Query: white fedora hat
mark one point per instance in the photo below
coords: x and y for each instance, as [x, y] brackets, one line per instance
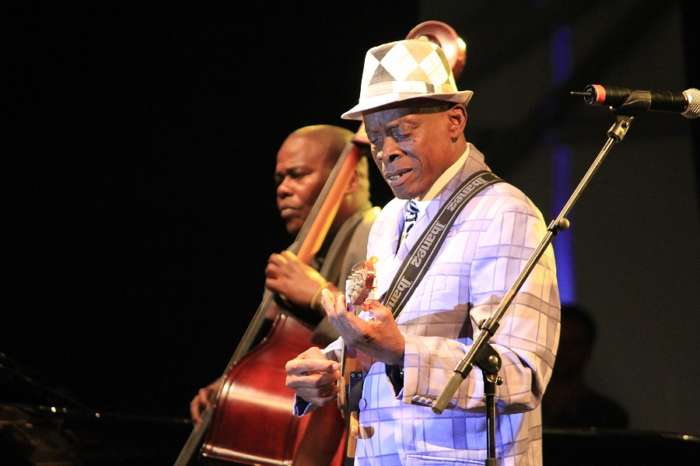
[403, 70]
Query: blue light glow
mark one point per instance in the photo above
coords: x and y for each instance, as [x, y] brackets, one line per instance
[562, 62]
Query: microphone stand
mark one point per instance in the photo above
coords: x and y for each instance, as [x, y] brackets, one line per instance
[481, 353]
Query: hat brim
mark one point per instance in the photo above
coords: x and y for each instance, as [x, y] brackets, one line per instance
[355, 113]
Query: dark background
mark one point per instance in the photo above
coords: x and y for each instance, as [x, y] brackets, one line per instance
[141, 151]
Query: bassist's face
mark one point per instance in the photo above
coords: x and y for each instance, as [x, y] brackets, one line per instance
[302, 169]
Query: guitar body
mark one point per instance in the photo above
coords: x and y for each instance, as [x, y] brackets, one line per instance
[253, 421]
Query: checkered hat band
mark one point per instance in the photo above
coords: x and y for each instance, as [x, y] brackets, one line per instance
[407, 87]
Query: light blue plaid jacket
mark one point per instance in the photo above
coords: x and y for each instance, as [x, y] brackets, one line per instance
[486, 248]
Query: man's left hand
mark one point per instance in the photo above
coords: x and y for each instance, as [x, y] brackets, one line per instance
[378, 337]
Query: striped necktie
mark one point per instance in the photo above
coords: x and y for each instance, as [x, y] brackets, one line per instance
[410, 214]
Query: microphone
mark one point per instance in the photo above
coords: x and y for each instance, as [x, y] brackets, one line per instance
[687, 103]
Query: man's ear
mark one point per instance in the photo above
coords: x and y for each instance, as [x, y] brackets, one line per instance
[457, 117]
[359, 181]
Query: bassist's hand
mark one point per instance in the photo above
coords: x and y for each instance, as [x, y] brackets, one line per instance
[202, 400]
[297, 282]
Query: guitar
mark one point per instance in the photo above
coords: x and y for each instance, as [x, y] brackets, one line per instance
[358, 286]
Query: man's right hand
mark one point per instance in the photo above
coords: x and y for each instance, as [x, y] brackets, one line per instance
[313, 377]
[202, 400]
[297, 282]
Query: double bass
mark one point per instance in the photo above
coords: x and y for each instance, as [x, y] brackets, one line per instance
[251, 418]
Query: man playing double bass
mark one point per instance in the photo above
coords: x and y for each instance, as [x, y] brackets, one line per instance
[304, 162]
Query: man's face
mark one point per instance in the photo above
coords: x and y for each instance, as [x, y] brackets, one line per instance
[302, 169]
[410, 147]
